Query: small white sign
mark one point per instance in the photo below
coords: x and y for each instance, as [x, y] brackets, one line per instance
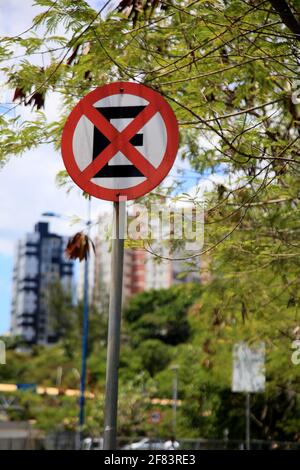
[2, 352]
[248, 373]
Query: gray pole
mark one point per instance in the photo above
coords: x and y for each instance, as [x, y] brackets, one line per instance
[85, 335]
[175, 397]
[114, 327]
[248, 421]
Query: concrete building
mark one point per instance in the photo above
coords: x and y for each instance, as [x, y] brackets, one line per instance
[142, 271]
[39, 261]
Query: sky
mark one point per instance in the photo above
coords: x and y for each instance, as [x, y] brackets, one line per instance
[27, 183]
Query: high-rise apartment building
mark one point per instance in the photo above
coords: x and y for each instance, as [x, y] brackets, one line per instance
[142, 271]
[39, 261]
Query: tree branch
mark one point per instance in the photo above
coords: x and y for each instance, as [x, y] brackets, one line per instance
[287, 16]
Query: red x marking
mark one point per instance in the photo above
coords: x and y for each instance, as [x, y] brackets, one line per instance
[119, 141]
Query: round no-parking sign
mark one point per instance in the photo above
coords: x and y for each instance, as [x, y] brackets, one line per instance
[120, 140]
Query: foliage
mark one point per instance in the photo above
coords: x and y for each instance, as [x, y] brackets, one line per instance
[229, 70]
[217, 320]
[154, 354]
[161, 314]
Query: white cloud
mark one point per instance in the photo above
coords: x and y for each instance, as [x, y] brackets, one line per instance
[27, 189]
[16, 15]
[27, 183]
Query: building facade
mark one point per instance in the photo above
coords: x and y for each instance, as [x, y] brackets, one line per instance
[142, 271]
[39, 262]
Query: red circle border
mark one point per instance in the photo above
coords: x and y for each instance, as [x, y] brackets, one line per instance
[163, 169]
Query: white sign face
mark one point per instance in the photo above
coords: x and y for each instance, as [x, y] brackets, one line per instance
[248, 373]
[119, 172]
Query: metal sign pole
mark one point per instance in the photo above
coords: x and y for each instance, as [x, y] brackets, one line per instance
[247, 421]
[114, 327]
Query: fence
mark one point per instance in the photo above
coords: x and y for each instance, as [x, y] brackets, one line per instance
[68, 441]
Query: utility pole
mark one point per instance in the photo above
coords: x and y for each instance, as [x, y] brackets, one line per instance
[85, 334]
[175, 398]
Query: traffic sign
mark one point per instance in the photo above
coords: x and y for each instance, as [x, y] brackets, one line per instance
[248, 374]
[120, 140]
[155, 416]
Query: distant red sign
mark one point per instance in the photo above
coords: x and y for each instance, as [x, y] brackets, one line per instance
[155, 417]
